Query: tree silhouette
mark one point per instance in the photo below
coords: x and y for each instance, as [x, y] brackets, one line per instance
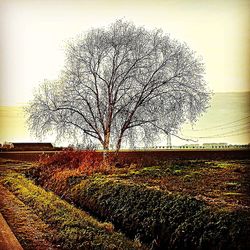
[121, 84]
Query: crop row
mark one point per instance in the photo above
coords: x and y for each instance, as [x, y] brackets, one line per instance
[164, 221]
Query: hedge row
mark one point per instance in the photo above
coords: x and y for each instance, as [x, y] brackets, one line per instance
[76, 229]
[163, 221]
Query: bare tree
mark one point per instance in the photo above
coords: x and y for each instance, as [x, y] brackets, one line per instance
[121, 83]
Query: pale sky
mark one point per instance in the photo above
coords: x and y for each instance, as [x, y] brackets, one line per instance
[33, 35]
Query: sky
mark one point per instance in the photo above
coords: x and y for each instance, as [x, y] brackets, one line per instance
[33, 35]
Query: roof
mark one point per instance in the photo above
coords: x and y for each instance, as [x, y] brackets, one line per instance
[32, 144]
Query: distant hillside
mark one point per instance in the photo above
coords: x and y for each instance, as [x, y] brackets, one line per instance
[12, 124]
[225, 121]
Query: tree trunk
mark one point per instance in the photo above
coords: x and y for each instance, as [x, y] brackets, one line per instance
[105, 146]
[118, 145]
[106, 140]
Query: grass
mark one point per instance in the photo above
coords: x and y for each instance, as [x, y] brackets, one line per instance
[206, 180]
[168, 204]
[199, 178]
[30, 230]
[161, 219]
[172, 204]
[76, 229]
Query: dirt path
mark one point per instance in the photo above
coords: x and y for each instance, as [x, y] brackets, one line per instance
[30, 230]
[8, 241]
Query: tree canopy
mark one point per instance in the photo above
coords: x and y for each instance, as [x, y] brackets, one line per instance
[121, 84]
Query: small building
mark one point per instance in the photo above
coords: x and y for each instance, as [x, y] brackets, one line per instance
[190, 146]
[31, 146]
[215, 145]
[7, 146]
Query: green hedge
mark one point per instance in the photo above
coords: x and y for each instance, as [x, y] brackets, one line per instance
[164, 221]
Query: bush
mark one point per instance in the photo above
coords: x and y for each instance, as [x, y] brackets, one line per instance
[54, 170]
[162, 220]
[72, 159]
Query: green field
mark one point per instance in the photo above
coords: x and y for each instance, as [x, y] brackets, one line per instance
[172, 205]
